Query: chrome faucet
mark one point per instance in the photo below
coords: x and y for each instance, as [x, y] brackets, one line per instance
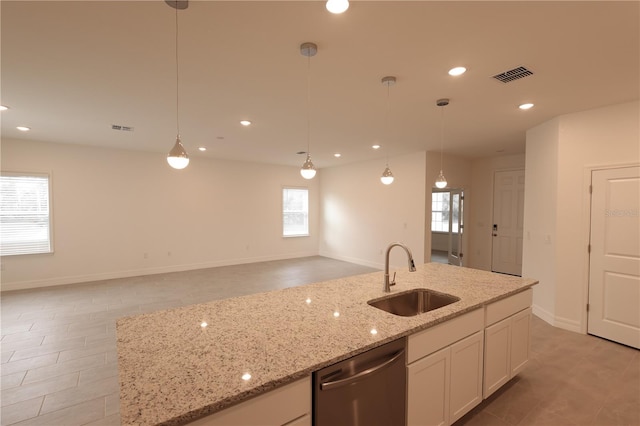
[412, 266]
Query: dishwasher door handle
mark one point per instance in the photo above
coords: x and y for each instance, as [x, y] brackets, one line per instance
[342, 382]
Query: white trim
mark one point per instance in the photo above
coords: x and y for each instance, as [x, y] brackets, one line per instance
[75, 279]
[543, 314]
[568, 324]
[357, 261]
[559, 322]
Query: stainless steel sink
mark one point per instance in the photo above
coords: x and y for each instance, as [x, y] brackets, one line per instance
[413, 302]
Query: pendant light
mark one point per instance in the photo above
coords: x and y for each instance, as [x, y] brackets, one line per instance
[441, 181]
[387, 176]
[177, 157]
[308, 171]
[337, 6]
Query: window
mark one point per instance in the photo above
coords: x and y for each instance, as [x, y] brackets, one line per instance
[25, 226]
[444, 211]
[440, 211]
[295, 212]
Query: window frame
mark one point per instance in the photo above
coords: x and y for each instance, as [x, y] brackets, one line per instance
[283, 212]
[49, 177]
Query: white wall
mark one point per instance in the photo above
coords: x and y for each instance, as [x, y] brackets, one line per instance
[478, 227]
[540, 206]
[112, 206]
[560, 155]
[361, 216]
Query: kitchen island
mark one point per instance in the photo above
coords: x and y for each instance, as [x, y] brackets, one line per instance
[178, 365]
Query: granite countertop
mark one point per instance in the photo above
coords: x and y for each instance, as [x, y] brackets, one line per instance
[173, 369]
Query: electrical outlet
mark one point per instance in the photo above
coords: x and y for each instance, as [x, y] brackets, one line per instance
[145, 255]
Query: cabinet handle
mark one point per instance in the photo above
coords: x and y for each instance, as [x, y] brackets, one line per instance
[364, 373]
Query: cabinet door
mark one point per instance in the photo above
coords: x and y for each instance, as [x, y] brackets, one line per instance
[466, 375]
[520, 340]
[428, 390]
[497, 354]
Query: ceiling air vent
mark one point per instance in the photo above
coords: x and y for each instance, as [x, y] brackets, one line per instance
[121, 128]
[514, 74]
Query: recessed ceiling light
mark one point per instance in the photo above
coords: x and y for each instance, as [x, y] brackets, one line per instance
[457, 71]
[3, 108]
[202, 148]
[245, 122]
[375, 146]
[23, 128]
[526, 106]
[337, 155]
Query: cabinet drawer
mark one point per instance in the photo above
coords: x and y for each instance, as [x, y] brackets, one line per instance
[435, 338]
[280, 406]
[504, 308]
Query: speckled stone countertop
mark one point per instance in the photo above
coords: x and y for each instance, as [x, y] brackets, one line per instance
[172, 370]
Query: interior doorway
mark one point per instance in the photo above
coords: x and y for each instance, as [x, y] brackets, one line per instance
[614, 261]
[447, 226]
[508, 219]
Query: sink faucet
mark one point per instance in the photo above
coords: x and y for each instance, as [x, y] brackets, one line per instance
[412, 266]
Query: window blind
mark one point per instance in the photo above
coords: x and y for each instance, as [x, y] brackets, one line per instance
[24, 214]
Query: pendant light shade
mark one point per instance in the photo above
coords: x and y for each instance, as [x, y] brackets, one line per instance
[177, 157]
[441, 181]
[308, 171]
[337, 6]
[387, 176]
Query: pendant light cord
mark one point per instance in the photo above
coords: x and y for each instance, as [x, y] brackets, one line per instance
[177, 76]
[386, 122]
[308, 100]
[441, 135]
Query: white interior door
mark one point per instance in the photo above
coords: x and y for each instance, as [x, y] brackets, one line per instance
[508, 217]
[456, 226]
[614, 268]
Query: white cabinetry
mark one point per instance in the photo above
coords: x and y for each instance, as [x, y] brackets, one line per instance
[444, 372]
[289, 405]
[466, 375]
[507, 340]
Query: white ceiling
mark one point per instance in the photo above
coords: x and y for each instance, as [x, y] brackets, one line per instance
[72, 69]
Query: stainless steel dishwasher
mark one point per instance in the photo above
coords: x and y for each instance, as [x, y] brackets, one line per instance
[365, 390]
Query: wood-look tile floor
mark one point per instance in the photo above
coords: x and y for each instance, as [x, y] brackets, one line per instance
[59, 363]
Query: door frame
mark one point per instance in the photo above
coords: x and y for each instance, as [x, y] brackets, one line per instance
[586, 232]
[462, 240]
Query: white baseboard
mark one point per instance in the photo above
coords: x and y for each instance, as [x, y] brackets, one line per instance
[563, 323]
[568, 324]
[357, 261]
[543, 314]
[75, 279]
